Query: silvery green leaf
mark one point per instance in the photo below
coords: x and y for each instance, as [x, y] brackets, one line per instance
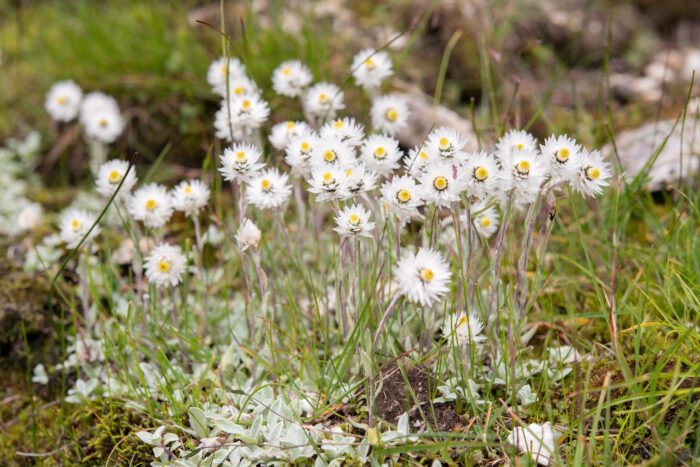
[272, 417]
[40, 376]
[363, 450]
[436, 463]
[158, 451]
[255, 428]
[295, 436]
[366, 362]
[526, 396]
[402, 427]
[198, 422]
[169, 438]
[275, 432]
[227, 426]
[320, 462]
[145, 436]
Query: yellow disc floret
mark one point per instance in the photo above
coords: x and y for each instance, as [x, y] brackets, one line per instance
[562, 155]
[62, 100]
[245, 105]
[338, 124]
[164, 266]
[392, 115]
[369, 63]
[329, 156]
[404, 196]
[290, 125]
[354, 219]
[265, 184]
[286, 70]
[188, 189]
[114, 176]
[427, 274]
[523, 167]
[240, 156]
[323, 98]
[592, 173]
[238, 90]
[76, 224]
[151, 204]
[481, 173]
[380, 153]
[103, 122]
[444, 143]
[485, 221]
[440, 183]
[305, 147]
[328, 178]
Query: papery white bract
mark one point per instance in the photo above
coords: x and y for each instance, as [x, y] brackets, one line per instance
[329, 183]
[423, 277]
[290, 78]
[389, 114]
[419, 158]
[75, 224]
[29, 217]
[332, 152]
[370, 67]
[525, 171]
[535, 440]
[563, 155]
[467, 328]
[222, 69]
[402, 197]
[447, 143]
[323, 100]
[441, 184]
[514, 141]
[268, 189]
[190, 196]
[110, 175]
[592, 174]
[63, 101]
[381, 153]
[165, 265]
[151, 205]
[354, 221]
[481, 175]
[298, 153]
[248, 235]
[282, 133]
[485, 218]
[345, 129]
[360, 179]
[240, 161]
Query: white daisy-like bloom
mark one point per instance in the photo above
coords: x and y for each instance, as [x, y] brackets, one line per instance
[332, 152]
[95, 103]
[353, 221]
[419, 158]
[282, 133]
[63, 101]
[485, 218]
[75, 224]
[165, 265]
[30, 217]
[370, 67]
[224, 126]
[423, 277]
[248, 235]
[237, 86]
[381, 153]
[105, 126]
[536, 440]
[323, 100]
[268, 189]
[360, 179]
[329, 183]
[481, 175]
[447, 143]
[592, 173]
[562, 154]
[248, 112]
[525, 170]
[298, 152]
[514, 141]
[467, 328]
[240, 161]
[402, 197]
[290, 78]
[345, 129]
[389, 114]
[441, 184]
[110, 175]
[190, 196]
[151, 205]
[222, 69]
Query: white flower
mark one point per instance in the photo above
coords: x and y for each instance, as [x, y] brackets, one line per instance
[381, 153]
[467, 329]
[63, 101]
[223, 69]
[151, 205]
[298, 153]
[447, 143]
[370, 67]
[323, 100]
[332, 152]
[240, 161]
[525, 170]
[75, 223]
[389, 114]
[345, 129]
[563, 155]
[402, 197]
[329, 183]
[423, 277]
[592, 174]
[101, 117]
[419, 158]
[282, 133]
[30, 216]
[110, 175]
[485, 218]
[268, 189]
[290, 78]
[535, 440]
[165, 265]
[190, 196]
[360, 179]
[441, 184]
[514, 141]
[96, 102]
[248, 235]
[242, 115]
[354, 221]
[481, 175]
[237, 86]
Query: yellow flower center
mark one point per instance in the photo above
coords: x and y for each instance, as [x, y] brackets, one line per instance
[322, 98]
[348, 173]
[523, 167]
[103, 123]
[286, 70]
[245, 105]
[462, 320]
[369, 63]
[224, 69]
[481, 173]
[562, 154]
[240, 155]
[164, 266]
[380, 153]
[329, 156]
[444, 143]
[290, 125]
[62, 100]
[423, 155]
[427, 274]
[265, 184]
[592, 173]
[403, 195]
[485, 221]
[392, 115]
[328, 178]
[519, 146]
[440, 183]
[354, 219]
[114, 176]
[305, 147]
[76, 224]
[238, 90]
[188, 189]
[151, 204]
[338, 124]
